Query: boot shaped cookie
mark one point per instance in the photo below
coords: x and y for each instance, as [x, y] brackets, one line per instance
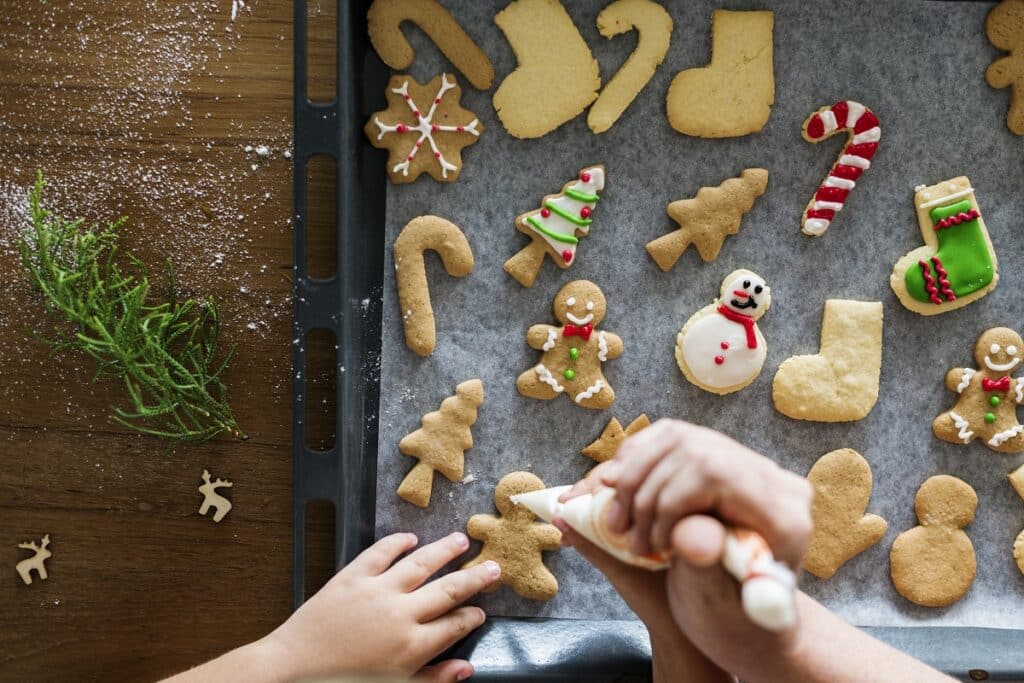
[986, 408]
[573, 351]
[933, 564]
[840, 383]
[842, 530]
[957, 264]
[514, 539]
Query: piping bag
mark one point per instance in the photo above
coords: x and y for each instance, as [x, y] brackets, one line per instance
[768, 586]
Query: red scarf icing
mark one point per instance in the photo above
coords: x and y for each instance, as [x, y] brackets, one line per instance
[745, 320]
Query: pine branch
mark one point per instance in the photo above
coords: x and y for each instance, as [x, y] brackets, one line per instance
[164, 353]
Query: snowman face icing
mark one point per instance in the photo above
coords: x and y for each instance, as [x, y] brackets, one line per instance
[580, 303]
[747, 293]
[999, 350]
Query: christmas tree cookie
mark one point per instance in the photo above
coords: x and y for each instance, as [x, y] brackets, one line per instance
[988, 396]
[573, 351]
[556, 227]
[957, 264]
[606, 445]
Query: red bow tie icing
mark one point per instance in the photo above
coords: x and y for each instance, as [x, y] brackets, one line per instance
[580, 331]
[1001, 384]
[745, 320]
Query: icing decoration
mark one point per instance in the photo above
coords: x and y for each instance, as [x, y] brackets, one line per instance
[963, 262]
[745, 320]
[583, 331]
[1001, 384]
[589, 392]
[550, 343]
[990, 417]
[1019, 391]
[425, 127]
[1005, 435]
[549, 379]
[965, 434]
[602, 348]
[994, 401]
[855, 158]
[574, 353]
[569, 374]
[965, 380]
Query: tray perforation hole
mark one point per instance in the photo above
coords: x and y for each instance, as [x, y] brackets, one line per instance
[319, 521]
[321, 216]
[321, 50]
[321, 384]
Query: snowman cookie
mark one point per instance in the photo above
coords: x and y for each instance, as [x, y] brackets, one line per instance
[574, 351]
[720, 348]
[988, 396]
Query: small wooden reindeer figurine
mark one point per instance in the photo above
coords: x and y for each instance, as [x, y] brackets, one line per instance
[42, 554]
[209, 490]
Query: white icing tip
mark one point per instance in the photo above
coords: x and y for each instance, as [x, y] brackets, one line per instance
[543, 503]
[769, 604]
[596, 177]
[815, 226]
[918, 188]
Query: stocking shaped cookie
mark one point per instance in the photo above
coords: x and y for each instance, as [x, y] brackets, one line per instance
[986, 408]
[573, 351]
[842, 487]
[515, 539]
[933, 564]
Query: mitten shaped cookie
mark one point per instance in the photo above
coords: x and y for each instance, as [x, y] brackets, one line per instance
[515, 540]
[987, 405]
[842, 530]
[573, 351]
[933, 564]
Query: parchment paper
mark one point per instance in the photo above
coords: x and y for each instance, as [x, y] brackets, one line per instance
[920, 65]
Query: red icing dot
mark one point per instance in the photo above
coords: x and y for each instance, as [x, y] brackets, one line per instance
[437, 101]
[725, 345]
[416, 113]
[815, 127]
[719, 360]
[409, 158]
[401, 128]
[435, 128]
[585, 212]
[461, 129]
[545, 212]
[585, 177]
[408, 97]
[567, 256]
[437, 154]
[419, 143]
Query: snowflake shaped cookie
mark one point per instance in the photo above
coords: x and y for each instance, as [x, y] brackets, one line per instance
[404, 129]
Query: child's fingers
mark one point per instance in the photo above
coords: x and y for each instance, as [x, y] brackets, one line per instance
[439, 597]
[412, 571]
[647, 500]
[699, 540]
[379, 556]
[448, 671]
[439, 635]
[638, 455]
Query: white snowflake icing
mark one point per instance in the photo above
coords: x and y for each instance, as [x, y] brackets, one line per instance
[425, 128]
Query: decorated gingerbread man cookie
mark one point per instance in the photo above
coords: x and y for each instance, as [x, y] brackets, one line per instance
[987, 406]
[720, 348]
[573, 352]
[515, 539]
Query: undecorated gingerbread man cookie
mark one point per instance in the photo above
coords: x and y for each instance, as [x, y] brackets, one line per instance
[988, 396]
[515, 539]
[933, 564]
[574, 351]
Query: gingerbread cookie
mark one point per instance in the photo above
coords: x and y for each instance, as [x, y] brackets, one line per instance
[606, 445]
[986, 408]
[573, 351]
[441, 442]
[419, 235]
[933, 564]
[404, 128]
[842, 530]
[864, 132]
[707, 219]
[720, 348]
[733, 95]
[653, 26]
[957, 264]
[556, 227]
[1005, 30]
[1017, 481]
[35, 563]
[515, 539]
[840, 382]
[557, 76]
[383, 21]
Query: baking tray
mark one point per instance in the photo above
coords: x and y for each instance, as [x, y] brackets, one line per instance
[349, 306]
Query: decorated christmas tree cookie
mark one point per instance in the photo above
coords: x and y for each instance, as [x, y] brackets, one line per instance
[556, 227]
[574, 351]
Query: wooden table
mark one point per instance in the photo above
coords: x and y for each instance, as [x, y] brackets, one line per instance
[147, 112]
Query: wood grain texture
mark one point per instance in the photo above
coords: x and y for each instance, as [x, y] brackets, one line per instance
[140, 585]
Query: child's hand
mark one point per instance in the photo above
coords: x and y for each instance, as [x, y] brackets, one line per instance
[373, 617]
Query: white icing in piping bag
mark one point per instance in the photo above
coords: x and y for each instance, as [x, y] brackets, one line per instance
[768, 586]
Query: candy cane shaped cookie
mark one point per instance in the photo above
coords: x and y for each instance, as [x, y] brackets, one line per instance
[864, 131]
[420, 234]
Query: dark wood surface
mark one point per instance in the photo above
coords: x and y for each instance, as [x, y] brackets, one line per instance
[147, 111]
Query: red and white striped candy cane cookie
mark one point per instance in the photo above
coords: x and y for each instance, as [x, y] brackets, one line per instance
[862, 125]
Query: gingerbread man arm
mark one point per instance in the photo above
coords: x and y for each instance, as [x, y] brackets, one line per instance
[538, 335]
[958, 379]
[549, 537]
[614, 343]
[1018, 390]
[481, 526]
[1002, 72]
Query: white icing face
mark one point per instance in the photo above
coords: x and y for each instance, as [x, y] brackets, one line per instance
[585, 319]
[1002, 362]
[747, 293]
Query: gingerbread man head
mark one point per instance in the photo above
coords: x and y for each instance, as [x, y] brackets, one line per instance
[511, 485]
[999, 350]
[1005, 25]
[945, 501]
[579, 303]
[746, 292]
